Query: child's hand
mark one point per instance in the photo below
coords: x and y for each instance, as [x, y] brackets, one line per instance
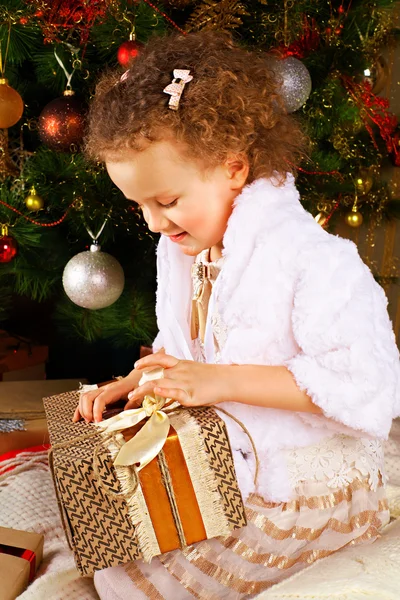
[92, 404]
[190, 383]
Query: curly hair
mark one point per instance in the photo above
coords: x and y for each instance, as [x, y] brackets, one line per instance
[232, 105]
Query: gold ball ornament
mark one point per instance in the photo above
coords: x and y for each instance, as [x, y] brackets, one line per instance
[364, 182]
[354, 218]
[33, 201]
[11, 105]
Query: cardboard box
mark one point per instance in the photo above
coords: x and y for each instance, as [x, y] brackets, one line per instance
[113, 515]
[24, 400]
[20, 556]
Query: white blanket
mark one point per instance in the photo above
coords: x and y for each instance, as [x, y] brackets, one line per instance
[28, 502]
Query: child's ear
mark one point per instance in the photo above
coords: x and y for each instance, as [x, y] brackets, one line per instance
[237, 170]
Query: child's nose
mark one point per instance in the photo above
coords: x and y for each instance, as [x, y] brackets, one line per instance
[157, 222]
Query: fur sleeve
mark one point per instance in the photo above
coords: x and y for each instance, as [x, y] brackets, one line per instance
[158, 342]
[348, 362]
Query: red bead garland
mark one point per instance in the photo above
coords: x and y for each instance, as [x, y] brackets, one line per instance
[53, 224]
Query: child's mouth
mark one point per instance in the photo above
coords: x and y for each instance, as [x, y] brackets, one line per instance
[178, 238]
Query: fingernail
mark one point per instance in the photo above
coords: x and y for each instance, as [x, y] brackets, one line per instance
[137, 363]
[131, 394]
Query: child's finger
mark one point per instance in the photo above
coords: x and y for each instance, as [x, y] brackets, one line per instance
[142, 390]
[98, 407]
[157, 360]
[175, 394]
[86, 406]
[77, 415]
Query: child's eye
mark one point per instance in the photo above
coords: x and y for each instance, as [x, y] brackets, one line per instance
[171, 204]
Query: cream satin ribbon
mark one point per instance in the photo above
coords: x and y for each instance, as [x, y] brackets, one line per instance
[147, 443]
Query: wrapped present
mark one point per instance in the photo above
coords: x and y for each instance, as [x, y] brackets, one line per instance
[143, 482]
[20, 555]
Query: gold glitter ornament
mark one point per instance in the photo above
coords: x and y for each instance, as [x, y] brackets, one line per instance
[33, 201]
[364, 181]
[354, 218]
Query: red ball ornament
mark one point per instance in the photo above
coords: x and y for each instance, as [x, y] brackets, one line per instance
[61, 122]
[127, 52]
[8, 246]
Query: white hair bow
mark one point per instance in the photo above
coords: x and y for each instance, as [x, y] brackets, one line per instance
[175, 89]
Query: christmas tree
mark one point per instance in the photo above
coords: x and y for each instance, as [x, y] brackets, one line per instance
[57, 209]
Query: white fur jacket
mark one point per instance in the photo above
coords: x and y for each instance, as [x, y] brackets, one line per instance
[291, 294]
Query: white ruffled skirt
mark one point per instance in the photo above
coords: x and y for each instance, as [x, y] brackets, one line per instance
[279, 539]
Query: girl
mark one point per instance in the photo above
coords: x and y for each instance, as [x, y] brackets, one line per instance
[260, 311]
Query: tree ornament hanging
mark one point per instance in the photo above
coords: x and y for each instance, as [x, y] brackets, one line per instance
[354, 218]
[11, 105]
[33, 201]
[295, 82]
[61, 122]
[93, 279]
[127, 52]
[364, 181]
[8, 246]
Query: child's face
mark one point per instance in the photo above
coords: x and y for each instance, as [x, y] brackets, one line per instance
[177, 197]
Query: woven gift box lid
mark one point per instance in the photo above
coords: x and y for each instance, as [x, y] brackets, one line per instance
[97, 518]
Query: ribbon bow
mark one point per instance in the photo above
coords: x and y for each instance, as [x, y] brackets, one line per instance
[147, 443]
[175, 89]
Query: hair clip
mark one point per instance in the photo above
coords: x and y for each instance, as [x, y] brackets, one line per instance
[175, 89]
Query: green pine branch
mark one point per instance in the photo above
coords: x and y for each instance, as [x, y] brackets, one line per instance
[128, 321]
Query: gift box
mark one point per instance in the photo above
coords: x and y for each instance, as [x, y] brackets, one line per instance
[20, 555]
[113, 512]
[22, 417]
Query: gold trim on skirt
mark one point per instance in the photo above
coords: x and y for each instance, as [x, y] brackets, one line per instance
[279, 539]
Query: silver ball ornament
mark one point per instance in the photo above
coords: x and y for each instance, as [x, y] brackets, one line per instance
[93, 279]
[296, 82]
